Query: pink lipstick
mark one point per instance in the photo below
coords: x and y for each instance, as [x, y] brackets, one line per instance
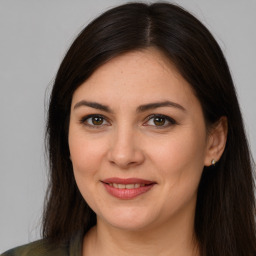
[127, 188]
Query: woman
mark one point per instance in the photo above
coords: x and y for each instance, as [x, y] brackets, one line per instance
[147, 149]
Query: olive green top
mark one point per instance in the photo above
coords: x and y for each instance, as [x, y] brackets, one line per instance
[44, 248]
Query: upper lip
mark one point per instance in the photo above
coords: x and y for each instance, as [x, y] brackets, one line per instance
[127, 181]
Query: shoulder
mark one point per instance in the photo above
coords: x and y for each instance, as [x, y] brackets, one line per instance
[38, 248]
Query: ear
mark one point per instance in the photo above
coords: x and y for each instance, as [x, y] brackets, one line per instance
[216, 141]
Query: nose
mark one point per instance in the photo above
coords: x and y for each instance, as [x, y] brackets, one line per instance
[125, 150]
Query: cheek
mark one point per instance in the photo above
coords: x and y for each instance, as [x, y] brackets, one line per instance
[180, 148]
[180, 162]
[180, 158]
[85, 153]
[85, 157]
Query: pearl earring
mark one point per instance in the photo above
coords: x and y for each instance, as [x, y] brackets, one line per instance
[213, 162]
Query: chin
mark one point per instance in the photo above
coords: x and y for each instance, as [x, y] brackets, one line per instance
[130, 219]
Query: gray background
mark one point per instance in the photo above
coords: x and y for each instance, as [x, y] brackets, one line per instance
[34, 36]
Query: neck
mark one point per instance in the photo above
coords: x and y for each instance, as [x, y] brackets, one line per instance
[173, 238]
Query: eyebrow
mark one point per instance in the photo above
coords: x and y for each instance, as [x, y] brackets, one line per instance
[93, 105]
[141, 108]
[154, 105]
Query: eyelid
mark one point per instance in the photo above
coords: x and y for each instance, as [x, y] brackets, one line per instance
[169, 119]
[85, 118]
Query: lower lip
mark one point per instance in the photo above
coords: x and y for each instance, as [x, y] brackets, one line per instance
[124, 193]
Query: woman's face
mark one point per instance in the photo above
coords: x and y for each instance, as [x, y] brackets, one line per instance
[138, 142]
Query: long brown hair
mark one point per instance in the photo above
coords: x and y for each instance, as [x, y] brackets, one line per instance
[225, 212]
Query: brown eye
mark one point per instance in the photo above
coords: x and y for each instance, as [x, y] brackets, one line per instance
[94, 121]
[159, 121]
[97, 120]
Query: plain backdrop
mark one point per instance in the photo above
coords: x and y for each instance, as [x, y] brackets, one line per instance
[34, 36]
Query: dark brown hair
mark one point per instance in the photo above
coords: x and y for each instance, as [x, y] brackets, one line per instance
[225, 212]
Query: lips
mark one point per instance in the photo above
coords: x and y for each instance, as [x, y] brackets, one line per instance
[127, 188]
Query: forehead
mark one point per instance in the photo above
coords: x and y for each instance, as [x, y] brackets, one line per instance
[145, 74]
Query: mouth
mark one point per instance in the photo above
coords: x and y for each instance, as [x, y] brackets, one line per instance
[127, 188]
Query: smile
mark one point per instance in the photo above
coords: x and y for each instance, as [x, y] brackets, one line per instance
[127, 188]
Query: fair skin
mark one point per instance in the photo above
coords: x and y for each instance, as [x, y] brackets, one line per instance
[117, 131]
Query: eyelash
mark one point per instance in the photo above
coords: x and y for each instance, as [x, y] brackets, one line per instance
[170, 121]
[85, 119]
